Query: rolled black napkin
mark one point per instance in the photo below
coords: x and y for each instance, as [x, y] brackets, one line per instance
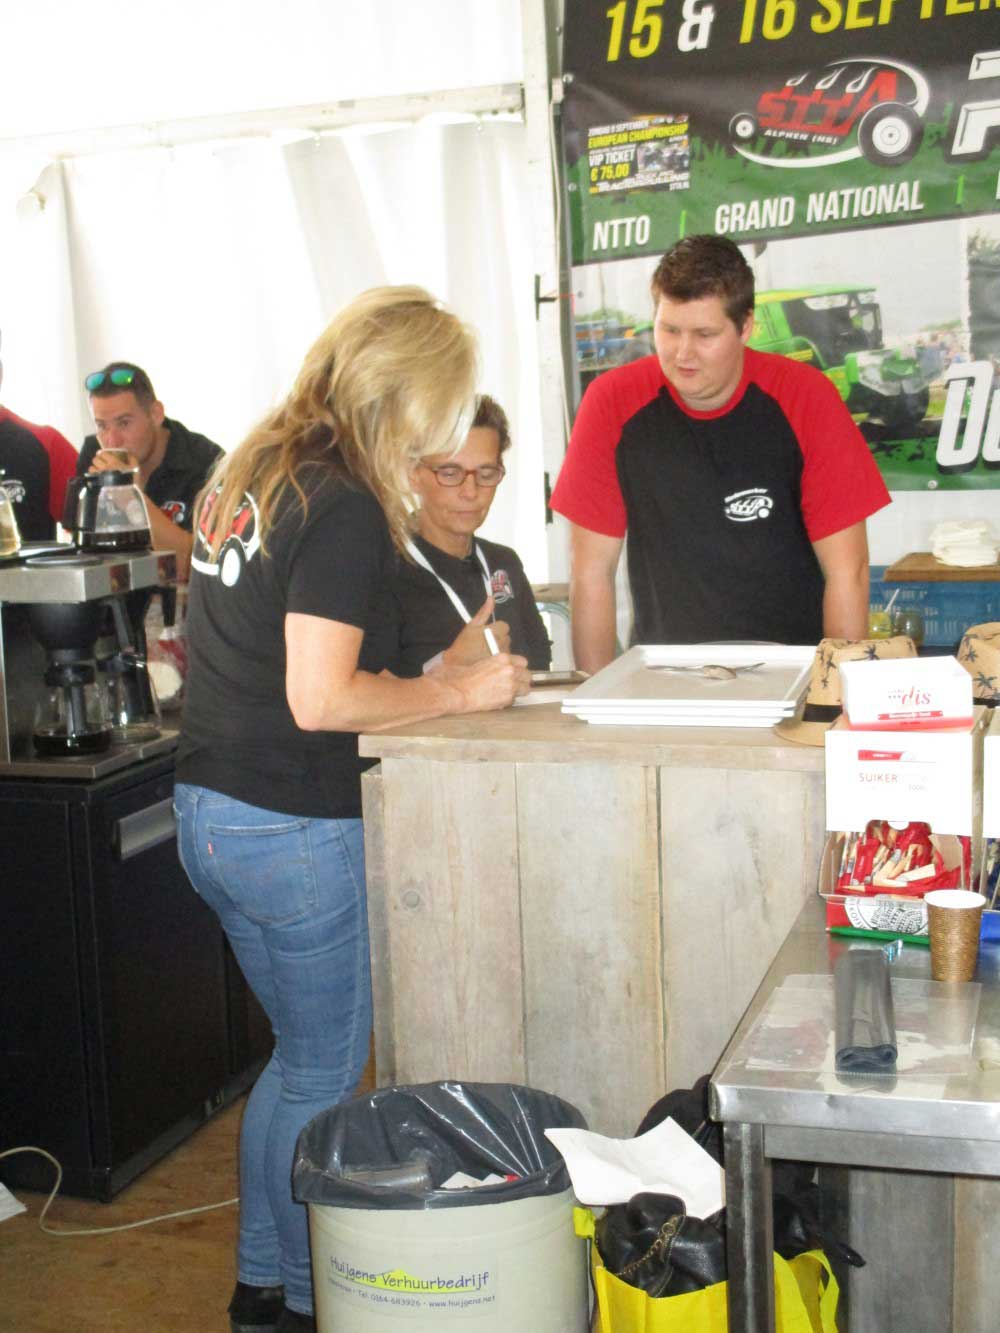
[865, 1024]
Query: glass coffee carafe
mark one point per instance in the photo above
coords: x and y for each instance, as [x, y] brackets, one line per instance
[130, 699]
[71, 719]
[110, 513]
[10, 536]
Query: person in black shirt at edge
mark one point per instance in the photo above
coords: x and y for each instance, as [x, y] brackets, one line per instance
[172, 463]
[454, 586]
[292, 544]
[36, 463]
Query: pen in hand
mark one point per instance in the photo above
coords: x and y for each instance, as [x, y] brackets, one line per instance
[491, 642]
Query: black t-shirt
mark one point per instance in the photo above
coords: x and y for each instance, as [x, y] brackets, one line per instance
[417, 619]
[175, 484]
[238, 735]
[756, 573]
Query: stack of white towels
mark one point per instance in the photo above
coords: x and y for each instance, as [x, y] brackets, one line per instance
[968, 542]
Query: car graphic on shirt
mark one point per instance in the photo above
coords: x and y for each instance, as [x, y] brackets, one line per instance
[239, 547]
[749, 505]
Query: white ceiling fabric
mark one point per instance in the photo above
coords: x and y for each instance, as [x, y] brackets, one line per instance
[110, 62]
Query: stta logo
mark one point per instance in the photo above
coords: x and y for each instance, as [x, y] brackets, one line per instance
[747, 506]
[175, 510]
[851, 108]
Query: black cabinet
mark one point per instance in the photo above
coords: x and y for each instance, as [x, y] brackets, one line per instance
[124, 1020]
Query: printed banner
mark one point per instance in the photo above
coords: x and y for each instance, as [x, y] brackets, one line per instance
[852, 148]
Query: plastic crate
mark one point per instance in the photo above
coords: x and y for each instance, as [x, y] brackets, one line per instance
[948, 609]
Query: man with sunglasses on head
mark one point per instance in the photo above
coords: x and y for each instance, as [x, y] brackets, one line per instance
[459, 598]
[172, 463]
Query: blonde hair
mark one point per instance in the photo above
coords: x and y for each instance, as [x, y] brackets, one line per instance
[390, 381]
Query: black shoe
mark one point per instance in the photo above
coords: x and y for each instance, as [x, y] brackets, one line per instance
[255, 1309]
[293, 1321]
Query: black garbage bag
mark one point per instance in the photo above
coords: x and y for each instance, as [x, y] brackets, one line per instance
[394, 1148]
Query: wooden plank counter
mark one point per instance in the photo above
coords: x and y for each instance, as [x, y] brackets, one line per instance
[585, 909]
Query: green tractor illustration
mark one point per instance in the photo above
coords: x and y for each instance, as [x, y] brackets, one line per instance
[839, 330]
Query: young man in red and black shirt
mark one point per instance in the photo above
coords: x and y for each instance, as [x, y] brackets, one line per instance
[739, 477]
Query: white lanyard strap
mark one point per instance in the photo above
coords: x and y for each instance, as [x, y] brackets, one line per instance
[456, 601]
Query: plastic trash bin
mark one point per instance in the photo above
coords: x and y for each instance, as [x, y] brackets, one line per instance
[393, 1250]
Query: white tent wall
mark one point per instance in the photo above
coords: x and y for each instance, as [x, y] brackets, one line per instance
[215, 264]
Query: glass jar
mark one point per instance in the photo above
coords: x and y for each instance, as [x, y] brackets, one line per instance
[879, 623]
[910, 622]
[10, 536]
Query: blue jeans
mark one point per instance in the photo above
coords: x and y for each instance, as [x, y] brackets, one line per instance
[290, 893]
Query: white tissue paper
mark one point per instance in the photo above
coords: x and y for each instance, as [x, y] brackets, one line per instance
[965, 543]
[9, 1205]
[666, 1160]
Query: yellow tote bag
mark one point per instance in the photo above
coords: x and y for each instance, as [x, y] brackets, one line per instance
[805, 1295]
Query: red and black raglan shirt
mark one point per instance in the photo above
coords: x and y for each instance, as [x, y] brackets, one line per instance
[36, 462]
[721, 508]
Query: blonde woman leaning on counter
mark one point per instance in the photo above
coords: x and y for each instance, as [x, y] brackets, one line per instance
[292, 545]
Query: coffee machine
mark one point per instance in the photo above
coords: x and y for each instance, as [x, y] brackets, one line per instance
[74, 690]
[124, 1019]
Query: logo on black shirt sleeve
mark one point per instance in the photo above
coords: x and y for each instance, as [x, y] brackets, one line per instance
[240, 546]
[503, 589]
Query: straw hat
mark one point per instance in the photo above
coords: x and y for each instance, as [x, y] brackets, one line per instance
[823, 703]
[979, 653]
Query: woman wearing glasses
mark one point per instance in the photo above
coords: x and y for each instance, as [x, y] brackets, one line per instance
[459, 598]
[291, 547]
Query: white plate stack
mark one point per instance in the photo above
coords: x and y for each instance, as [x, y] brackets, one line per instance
[667, 685]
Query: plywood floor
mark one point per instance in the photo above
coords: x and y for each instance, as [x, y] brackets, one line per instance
[172, 1277]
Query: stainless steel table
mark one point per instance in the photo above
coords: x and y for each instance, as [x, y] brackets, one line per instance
[914, 1134]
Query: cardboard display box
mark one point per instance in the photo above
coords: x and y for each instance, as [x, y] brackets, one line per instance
[933, 776]
[991, 777]
[884, 911]
[991, 808]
